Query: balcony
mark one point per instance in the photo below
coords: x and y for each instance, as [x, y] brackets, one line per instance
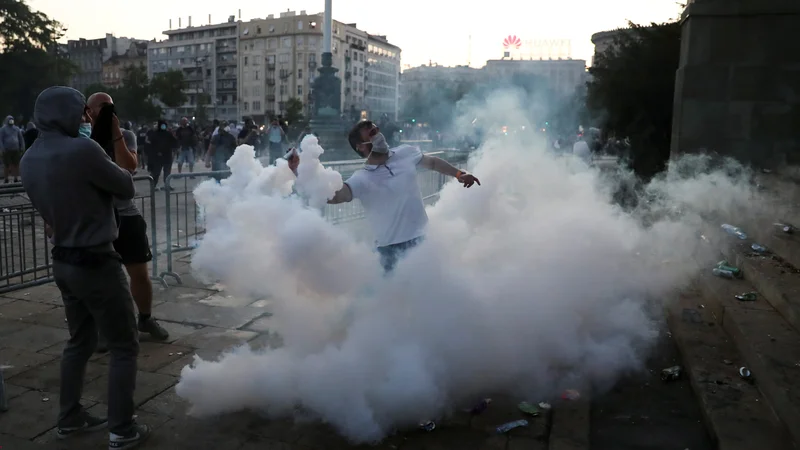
[270, 66]
[271, 82]
[270, 98]
[358, 47]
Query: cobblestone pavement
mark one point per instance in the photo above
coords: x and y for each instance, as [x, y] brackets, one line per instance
[204, 321]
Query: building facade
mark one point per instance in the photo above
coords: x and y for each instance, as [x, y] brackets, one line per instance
[209, 59]
[89, 55]
[114, 67]
[279, 58]
[382, 79]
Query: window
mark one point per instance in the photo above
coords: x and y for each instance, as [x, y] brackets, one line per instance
[257, 91]
[286, 42]
[283, 58]
[246, 106]
[245, 60]
[360, 71]
[257, 106]
[272, 43]
[300, 89]
[299, 41]
[258, 30]
[299, 24]
[312, 42]
[299, 74]
[270, 59]
[256, 75]
[246, 92]
[312, 57]
[283, 90]
[286, 27]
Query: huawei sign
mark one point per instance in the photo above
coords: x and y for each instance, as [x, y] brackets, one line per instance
[512, 42]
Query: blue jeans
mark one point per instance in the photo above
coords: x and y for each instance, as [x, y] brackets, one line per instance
[186, 156]
[391, 254]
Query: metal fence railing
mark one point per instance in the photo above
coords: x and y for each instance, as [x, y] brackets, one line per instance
[25, 250]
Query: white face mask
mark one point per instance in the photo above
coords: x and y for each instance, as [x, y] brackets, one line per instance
[227, 129]
[11, 121]
[379, 144]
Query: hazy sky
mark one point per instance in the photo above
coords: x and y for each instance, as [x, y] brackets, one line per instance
[426, 30]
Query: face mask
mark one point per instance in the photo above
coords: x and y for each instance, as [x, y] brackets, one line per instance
[11, 121]
[163, 127]
[227, 129]
[85, 130]
[379, 144]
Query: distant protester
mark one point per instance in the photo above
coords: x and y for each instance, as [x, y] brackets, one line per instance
[12, 144]
[162, 146]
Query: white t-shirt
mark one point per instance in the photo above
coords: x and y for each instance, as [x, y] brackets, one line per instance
[391, 197]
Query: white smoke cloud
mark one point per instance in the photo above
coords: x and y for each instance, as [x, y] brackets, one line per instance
[314, 181]
[530, 284]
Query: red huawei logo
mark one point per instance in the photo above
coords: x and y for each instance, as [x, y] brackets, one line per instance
[512, 41]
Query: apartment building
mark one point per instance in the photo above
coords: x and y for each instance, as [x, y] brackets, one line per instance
[209, 59]
[382, 78]
[89, 55]
[114, 67]
[279, 58]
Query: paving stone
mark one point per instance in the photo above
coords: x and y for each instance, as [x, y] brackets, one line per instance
[154, 355]
[188, 313]
[175, 330]
[190, 433]
[11, 326]
[29, 416]
[12, 390]
[15, 443]
[266, 341]
[224, 300]
[16, 360]
[35, 338]
[262, 324]
[180, 294]
[5, 300]
[148, 385]
[174, 368]
[47, 377]
[22, 309]
[167, 403]
[46, 293]
[55, 317]
[216, 338]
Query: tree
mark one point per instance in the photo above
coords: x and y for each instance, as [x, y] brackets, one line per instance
[28, 56]
[200, 109]
[134, 96]
[632, 89]
[294, 110]
[168, 87]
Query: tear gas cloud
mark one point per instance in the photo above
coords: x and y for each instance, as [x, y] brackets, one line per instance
[530, 284]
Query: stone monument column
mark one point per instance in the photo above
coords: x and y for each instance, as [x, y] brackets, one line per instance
[737, 90]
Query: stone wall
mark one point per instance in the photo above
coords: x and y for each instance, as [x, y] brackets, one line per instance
[737, 90]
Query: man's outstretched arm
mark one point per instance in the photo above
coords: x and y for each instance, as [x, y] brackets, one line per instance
[445, 168]
[343, 195]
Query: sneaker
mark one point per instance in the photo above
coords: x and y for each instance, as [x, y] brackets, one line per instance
[154, 329]
[131, 439]
[90, 423]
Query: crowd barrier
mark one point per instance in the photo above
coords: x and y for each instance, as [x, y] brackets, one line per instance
[175, 223]
[24, 248]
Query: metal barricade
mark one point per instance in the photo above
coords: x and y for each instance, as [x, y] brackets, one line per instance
[185, 223]
[25, 249]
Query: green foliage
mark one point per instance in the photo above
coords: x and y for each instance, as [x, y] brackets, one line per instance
[27, 66]
[294, 110]
[168, 87]
[132, 100]
[201, 110]
[632, 89]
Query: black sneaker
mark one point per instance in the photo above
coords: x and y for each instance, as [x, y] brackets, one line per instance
[90, 423]
[131, 439]
[154, 329]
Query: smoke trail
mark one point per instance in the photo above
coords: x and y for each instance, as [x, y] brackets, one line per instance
[530, 284]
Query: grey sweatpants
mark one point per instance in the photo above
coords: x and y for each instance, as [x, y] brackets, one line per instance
[98, 297]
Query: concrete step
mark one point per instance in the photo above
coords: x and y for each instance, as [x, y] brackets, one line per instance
[735, 412]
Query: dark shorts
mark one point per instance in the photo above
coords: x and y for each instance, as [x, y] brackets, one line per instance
[132, 243]
[11, 157]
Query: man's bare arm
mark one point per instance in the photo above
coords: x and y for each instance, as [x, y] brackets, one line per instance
[439, 165]
[343, 195]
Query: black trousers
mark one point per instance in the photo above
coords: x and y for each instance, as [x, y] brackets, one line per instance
[158, 164]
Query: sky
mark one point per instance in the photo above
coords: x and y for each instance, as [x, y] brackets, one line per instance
[427, 31]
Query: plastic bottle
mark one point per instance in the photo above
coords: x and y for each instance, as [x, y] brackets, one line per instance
[723, 273]
[734, 231]
[506, 427]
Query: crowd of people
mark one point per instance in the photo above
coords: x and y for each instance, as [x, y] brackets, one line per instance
[78, 175]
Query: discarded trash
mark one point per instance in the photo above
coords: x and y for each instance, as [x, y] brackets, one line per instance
[506, 427]
[45, 399]
[723, 273]
[427, 425]
[704, 238]
[480, 407]
[544, 405]
[734, 231]
[529, 408]
[758, 248]
[671, 373]
[746, 297]
[745, 373]
[724, 266]
[785, 227]
[571, 394]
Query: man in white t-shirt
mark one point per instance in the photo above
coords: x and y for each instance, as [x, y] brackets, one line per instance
[581, 150]
[388, 190]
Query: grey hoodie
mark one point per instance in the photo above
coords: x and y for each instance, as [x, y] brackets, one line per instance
[70, 180]
[12, 135]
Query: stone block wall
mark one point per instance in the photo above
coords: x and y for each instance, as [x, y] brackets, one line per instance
[737, 90]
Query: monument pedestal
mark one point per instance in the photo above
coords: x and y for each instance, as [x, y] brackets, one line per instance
[737, 89]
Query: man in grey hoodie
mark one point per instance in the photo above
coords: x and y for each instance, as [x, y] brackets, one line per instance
[72, 183]
[12, 144]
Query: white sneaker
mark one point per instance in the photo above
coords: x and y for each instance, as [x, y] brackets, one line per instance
[132, 439]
